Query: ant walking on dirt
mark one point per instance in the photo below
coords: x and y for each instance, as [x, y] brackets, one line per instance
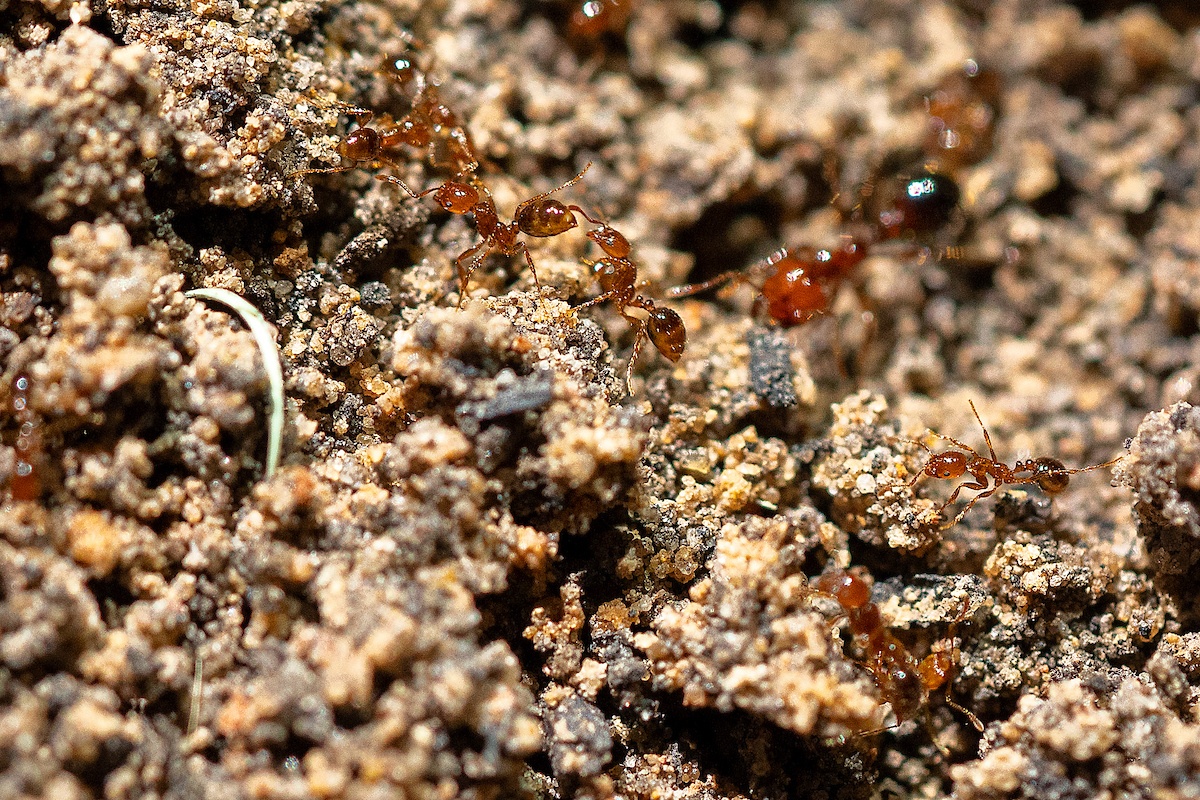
[618, 278]
[429, 125]
[902, 680]
[540, 216]
[801, 283]
[988, 473]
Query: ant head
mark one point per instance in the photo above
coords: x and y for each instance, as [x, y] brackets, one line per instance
[949, 465]
[457, 198]
[1051, 475]
[666, 330]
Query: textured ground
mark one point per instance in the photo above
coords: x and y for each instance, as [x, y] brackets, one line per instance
[485, 571]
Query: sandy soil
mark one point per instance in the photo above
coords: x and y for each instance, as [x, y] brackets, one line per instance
[484, 569]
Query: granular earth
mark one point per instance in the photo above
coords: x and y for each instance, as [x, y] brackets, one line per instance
[483, 569]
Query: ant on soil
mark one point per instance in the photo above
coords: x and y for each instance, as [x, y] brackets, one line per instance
[803, 282]
[430, 125]
[1049, 474]
[541, 216]
[618, 278]
[962, 116]
[902, 680]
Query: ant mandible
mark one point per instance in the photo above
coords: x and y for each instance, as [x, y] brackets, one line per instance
[1049, 474]
[540, 216]
[902, 680]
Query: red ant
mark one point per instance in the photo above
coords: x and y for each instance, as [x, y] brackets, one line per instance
[618, 279]
[24, 485]
[429, 125]
[540, 216]
[1049, 474]
[902, 680]
[803, 282]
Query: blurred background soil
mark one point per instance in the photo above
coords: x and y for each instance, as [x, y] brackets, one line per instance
[483, 569]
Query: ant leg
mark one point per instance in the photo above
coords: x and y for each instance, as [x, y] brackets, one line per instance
[966, 712]
[986, 437]
[405, 187]
[642, 335]
[956, 657]
[595, 301]
[971, 504]
[464, 273]
[928, 717]
[689, 289]
[533, 271]
[323, 171]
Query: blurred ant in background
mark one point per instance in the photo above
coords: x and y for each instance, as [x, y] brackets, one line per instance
[903, 681]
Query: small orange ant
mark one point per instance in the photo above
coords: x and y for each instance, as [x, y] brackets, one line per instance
[540, 216]
[902, 680]
[618, 278]
[662, 326]
[1049, 474]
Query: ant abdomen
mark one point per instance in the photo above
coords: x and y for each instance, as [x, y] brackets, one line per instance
[545, 218]
[667, 332]
[925, 203]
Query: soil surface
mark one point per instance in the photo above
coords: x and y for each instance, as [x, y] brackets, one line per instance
[488, 568]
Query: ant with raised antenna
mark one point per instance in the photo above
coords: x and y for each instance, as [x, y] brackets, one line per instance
[902, 680]
[1048, 474]
[540, 216]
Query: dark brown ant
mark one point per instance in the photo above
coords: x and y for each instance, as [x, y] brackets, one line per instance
[1048, 474]
[25, 485]
[902, 680]
[540, 216]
